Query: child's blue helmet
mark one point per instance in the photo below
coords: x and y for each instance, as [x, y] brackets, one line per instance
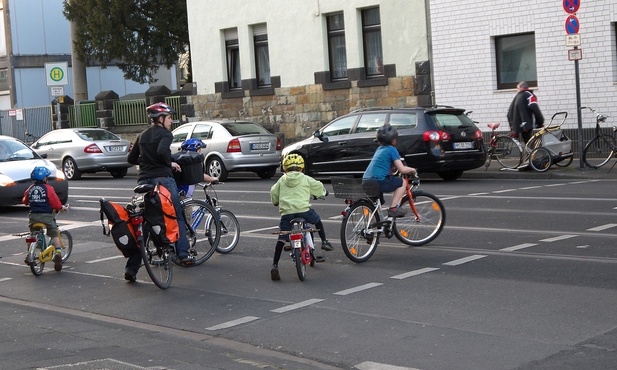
[40, 173]
[192, 144]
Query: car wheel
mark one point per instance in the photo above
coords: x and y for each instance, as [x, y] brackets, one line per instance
[69, 167]
[450, 175]
[118, 174]
[267, 173]
[216, 168]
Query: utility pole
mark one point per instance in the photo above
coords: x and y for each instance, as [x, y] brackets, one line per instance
[80, 82]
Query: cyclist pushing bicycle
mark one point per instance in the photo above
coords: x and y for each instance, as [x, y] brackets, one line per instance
[384, 161]
[291, 194]
[43, 201]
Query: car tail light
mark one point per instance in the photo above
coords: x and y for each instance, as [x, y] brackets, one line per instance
[477, 135]
[278, 144]
[295, 236]
[130, 147]
[234, 146]
[92, 148]
[436, 136]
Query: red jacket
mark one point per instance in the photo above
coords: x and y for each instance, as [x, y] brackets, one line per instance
[41, 198]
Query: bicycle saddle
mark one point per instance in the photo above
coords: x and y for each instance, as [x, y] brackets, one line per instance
[493, 125]
[296, 220]
[143, 188]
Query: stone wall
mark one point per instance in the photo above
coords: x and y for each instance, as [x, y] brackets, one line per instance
[294, 113]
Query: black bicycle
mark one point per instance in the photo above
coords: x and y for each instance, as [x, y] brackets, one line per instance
[602, 147]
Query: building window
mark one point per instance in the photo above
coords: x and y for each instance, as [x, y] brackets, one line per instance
[336, 47]
[516, 60]
[371, 33]
[262, 56]
[4, 79]
[233, 59]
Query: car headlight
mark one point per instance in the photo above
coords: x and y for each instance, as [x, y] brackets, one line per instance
[60, 176]
[6, 181]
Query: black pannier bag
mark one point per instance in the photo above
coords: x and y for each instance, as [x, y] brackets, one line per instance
[192, 165]
[119, 227]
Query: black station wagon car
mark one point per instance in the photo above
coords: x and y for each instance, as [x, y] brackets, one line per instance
[442, 140]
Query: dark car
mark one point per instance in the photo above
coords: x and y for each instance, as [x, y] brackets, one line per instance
[443, 140]
[16, 163]
[85, 150]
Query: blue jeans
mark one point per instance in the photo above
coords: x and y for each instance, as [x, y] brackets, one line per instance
[285, 224]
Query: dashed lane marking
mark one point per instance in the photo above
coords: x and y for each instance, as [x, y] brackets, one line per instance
[460, 261]
[602, 227]
[105, 259]
[558, 238]
[357, 289]
[229, 324]
[295, 306]
[368, 365]
[413, 273]
[5, 279]
[517, 247]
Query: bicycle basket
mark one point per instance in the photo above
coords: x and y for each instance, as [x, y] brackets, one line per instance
[351, 188]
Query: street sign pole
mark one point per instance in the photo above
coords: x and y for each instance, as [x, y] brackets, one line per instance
[579, 116]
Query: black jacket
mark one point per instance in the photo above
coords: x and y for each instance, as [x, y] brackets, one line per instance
[524, 112]
[152, 153]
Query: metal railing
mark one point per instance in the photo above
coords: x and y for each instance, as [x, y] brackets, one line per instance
[82, 114]
[130, 112]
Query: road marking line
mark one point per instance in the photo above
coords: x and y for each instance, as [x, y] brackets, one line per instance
[602, 227]
[557, 238]
[517, 247]
[476, 194]
[105, 259]
[294, 306]
[530, 187]
[413, 273]
[369, 365]
[560, 184]
[460, 261]
[503, 191]
[5, 279]
[358, 289]
[229, 324]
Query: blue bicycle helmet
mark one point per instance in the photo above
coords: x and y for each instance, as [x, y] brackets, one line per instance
[40, 173]
[192, 144]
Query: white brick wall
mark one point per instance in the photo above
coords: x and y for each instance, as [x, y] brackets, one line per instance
[464, 56]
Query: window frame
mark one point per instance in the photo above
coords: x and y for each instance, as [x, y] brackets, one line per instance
[333, 34]
[369, 30]
[232, 48]
[501, 85]
[260, 42]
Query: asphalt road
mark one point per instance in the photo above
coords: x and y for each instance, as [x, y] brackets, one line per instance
[523, 277]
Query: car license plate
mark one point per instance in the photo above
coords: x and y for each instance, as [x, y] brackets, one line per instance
[464, 145]
[260, 146]
[115, 148]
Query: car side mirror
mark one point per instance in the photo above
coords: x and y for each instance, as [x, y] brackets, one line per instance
[320, 136]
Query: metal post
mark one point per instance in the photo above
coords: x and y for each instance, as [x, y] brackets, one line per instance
[579, 116]
[59, 124]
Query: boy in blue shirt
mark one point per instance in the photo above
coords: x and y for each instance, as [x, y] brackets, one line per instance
[385, 160]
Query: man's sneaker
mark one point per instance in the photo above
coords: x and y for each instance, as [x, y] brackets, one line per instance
[187, 261]
[58, 261]
[129, 276]
[274, 273]
[396, 212]
[326, 246]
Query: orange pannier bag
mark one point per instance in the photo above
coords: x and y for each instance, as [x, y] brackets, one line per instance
[160, 213]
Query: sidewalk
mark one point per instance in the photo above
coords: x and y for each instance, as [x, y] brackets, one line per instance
[573, 171]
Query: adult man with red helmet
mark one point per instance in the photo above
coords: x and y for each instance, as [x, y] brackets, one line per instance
[153, 155]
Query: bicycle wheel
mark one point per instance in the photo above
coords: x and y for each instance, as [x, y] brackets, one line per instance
[34, 251]
[203, 236]
[157, 261]
[300, 266]
[357, 241]
[565, 162]
[508, 151]
[423, 225]
[230, 231]
[67, 241]
[599, 151]
[540, 159]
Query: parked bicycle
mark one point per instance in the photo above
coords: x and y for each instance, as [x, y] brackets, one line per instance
[602, 147]
[364, 220]
[302, 246]
[506, 149]
[230, 227]
[159, 259]
[41, 250]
